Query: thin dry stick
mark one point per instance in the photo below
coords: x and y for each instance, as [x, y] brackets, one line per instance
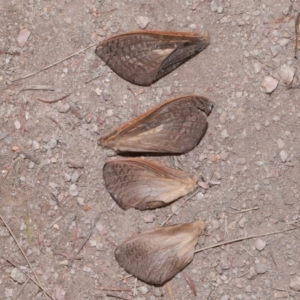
[283, 290]
[192, 195]
[243, 210]
[54, 100]
[13, 264]
[87, 238]
[244, 238]
[21, 289]
[36, 88]
[117, 297]
[297, 30]
[11, 168]
[115, 289]
[26, 258]
[56, 63]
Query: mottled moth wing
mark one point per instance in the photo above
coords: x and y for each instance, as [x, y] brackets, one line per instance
[143, 57]
[158, 255]
[175, 126]
[145, 185]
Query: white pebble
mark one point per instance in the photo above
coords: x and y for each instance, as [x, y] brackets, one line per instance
[17, 124]
[142, 21]
[268, 85]
[260, 244]
[287, 74]
[283, 155]
[17, 275]
[224, 134]
[73, 190]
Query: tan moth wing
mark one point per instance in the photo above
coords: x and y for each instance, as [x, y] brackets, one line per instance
[175, 126]
[145, 185]
[158, 255]
[143, 57]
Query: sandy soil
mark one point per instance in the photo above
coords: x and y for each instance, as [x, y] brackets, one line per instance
[51, 184]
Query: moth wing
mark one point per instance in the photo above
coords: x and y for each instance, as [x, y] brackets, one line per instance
[142, 57]
[145, 185]
[158, 255]
[176, 127]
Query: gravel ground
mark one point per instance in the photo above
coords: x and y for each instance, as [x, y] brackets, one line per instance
[51, 184]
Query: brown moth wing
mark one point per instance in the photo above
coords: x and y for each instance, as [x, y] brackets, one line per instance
[143, 57]
[145, 185]
[175, 126]
[158, 255]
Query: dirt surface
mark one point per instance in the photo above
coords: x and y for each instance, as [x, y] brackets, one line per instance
[51, 185]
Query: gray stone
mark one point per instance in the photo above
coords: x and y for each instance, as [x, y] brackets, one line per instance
[63, 107]
[283, 155]
[73, 190]
[287, 74]
[214, 6]
[295, 284]
[17, 275]
[143, 289]
[261, 268]
[260, 244]
[75, 176]
[52, 144]
[275, 50]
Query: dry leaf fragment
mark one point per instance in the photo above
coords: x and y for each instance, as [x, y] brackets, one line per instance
[145, 185]
[158, 255]
[143, 57]
[175, 126]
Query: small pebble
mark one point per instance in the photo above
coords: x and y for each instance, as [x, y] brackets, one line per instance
[268, 85]
[52, 144]
[68, 20]
[80, 201]
[261, 268]
[17, 275]
[242, 222]
[283, 155]
[260, 244]
[35, 145]
[224, 134]
[63, 107]
[280, 143]
[23, 36]
[73, 190]
[257, 126]
[149, 218]
[295, 284]
[287, 74]
[17, 124]
[214, 6]
[142, 21]
[75, 176]
[143, 289]
[275, 50]
[257, 67]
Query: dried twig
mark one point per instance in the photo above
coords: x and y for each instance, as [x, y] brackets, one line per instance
[85, 241]
[168, 285]
[243, 210]
[283, 290]
[54, 100]
[244, 238]
[56, 63]
[37, 284]
[117, 297]
[190, 283]
[297, 31]
[115, 289]
[186, 200]
[36, 88]
[15, 53]
[13, 165]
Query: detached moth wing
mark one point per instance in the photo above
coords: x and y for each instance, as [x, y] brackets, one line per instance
[158, 255]
[143, 57]
[144, 184]
[175, 126]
